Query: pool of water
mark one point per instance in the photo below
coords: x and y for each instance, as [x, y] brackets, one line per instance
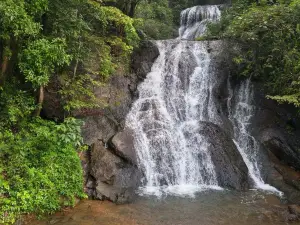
[206, 208]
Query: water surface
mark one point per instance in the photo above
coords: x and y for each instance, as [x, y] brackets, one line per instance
[207, 208]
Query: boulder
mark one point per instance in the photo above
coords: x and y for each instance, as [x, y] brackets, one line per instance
[143, 58]
[123, 146]
[274, 141]
[98, 128]
[230, 168]
[115, 178]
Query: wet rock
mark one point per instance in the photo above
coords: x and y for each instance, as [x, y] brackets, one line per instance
[276, 179]
[123, 146]
[274, 142]
[115, 194]
[230, 168]
[143, 58]
[115, 178]
[90, 183]
[276, 128]
[287, 216]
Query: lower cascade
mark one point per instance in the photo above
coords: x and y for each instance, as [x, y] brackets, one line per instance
[241, 114]
[166, 117]
[177, 105]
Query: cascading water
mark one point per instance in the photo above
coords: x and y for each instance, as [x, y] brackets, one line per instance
[176, 96]
[195, 19]
[241, 113]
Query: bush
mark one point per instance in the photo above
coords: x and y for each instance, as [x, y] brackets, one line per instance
[40, 170]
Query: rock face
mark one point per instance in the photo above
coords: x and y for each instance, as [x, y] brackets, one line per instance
[276, 127]
[110, 165]
[123, 146]
[115, 179]
[113, 168]
[143, 59]
[230, 168]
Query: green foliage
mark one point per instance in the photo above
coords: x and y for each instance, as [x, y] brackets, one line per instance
[79, 44]
[99, 39]
[269, 39]
[40, 170]
[15, 21]
[79, 94]
[15, 105]
[157, 19]
[36, 8]
[40, 58]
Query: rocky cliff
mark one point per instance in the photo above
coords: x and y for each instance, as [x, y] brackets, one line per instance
[110, 165]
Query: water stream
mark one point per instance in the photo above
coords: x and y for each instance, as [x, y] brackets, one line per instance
[241, 113]
[207, 208]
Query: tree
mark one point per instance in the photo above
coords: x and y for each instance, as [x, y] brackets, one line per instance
[40, 60]
[269, 39]
[156, 19]
[15, 24]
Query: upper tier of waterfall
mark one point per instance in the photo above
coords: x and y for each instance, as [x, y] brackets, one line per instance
[194, 20]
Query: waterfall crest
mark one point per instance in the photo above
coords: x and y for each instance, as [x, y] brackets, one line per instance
[195, 19]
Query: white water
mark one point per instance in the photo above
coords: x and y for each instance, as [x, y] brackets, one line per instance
[195, 19]
[241, 113]
[174, 98]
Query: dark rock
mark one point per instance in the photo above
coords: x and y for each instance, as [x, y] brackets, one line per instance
[52, 105]
[274, 142]
[280, 142]
[117, 195]
[231, 170]
[143, 59]
[115, 178]
[114, 168]
[90, 183]
[123, 146]
[98, 128]
[280, 176]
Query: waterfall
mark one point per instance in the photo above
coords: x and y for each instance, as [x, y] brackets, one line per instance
[174, 99]
[195, 19]
[241, 113]
[175, 96]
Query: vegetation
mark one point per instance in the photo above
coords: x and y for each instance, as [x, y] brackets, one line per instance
[77, 44]
[268, 36]
[159, 19]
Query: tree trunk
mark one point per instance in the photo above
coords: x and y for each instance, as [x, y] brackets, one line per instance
[40, 101]
[4, 63]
